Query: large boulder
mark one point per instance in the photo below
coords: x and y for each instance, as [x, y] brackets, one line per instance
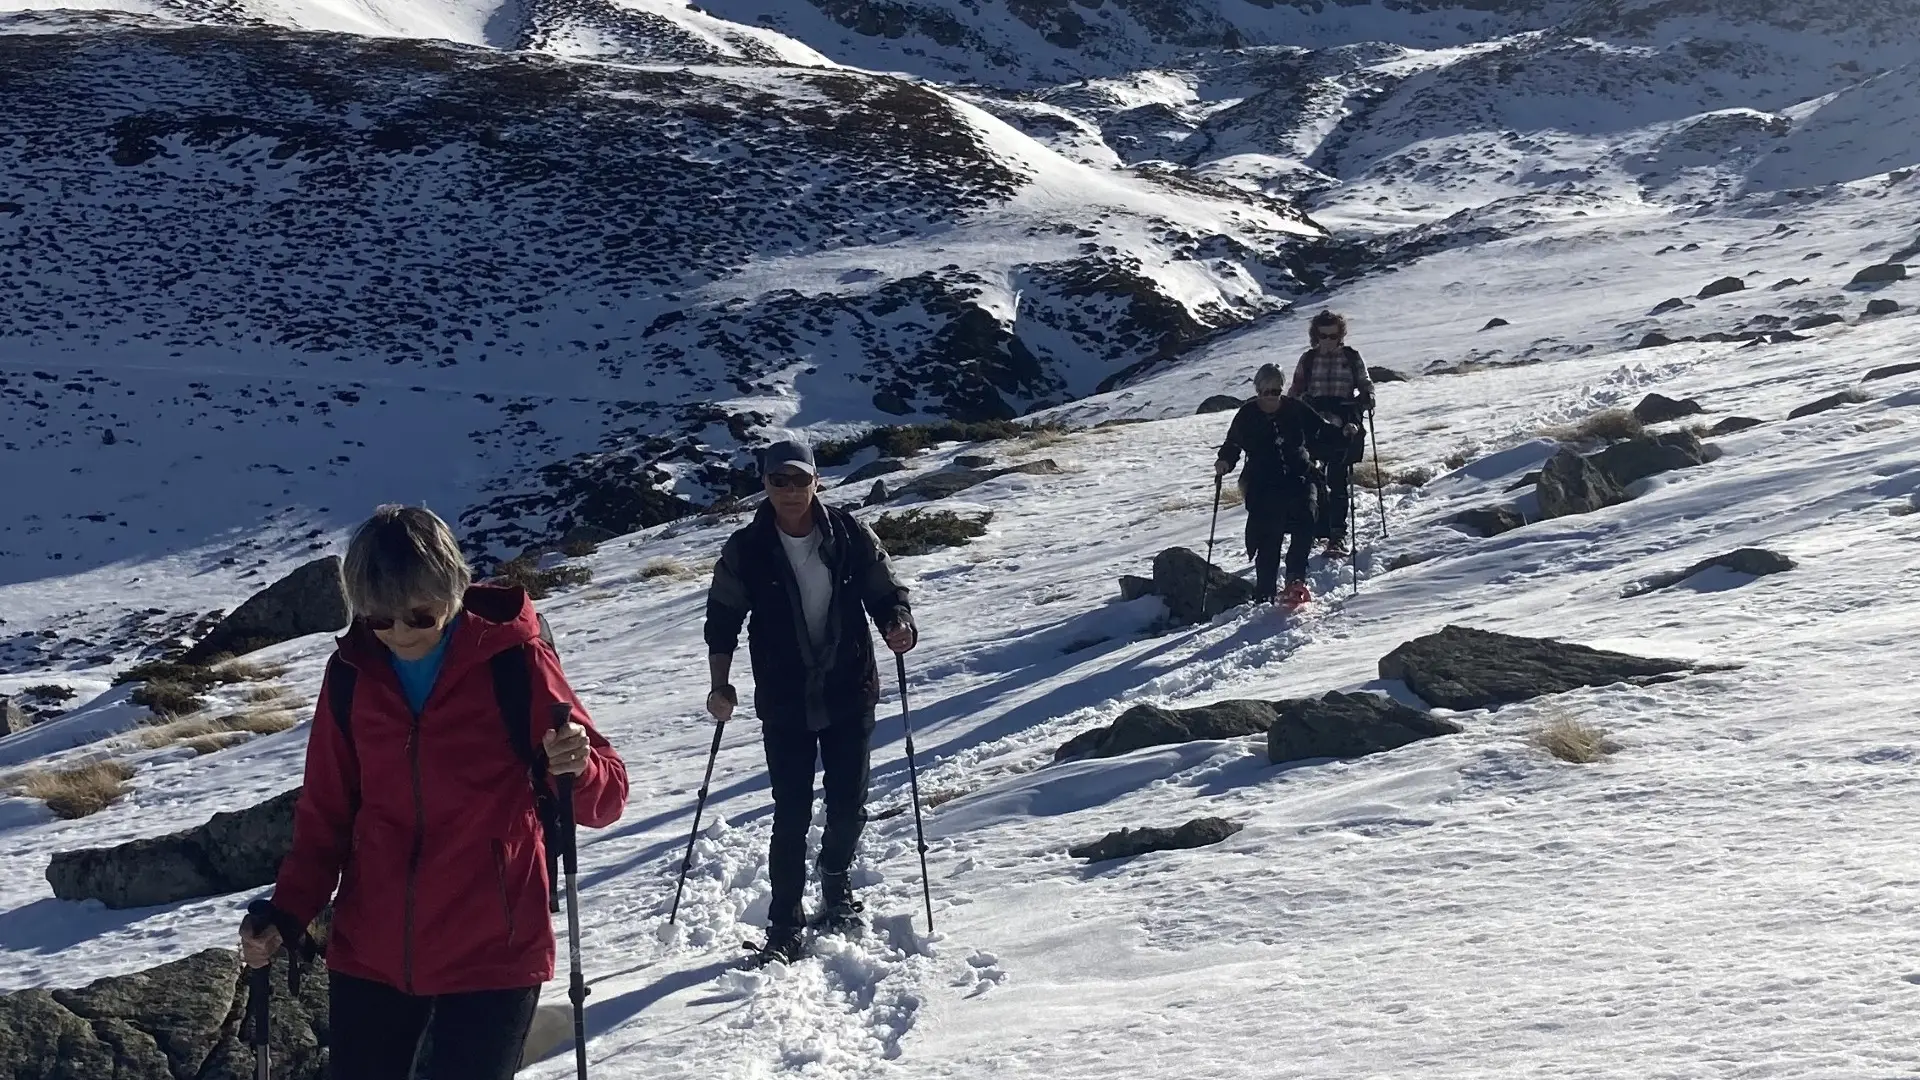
[1881, 274]
[1815, 322]
[1890, 370]
[311, 600]
[1732, 424]
[1181, 577]
[1635, 459]
[232, 852]
[181, 1019]
[1463, 668]
[1126, 843]
[1852, 395]
[1751, 561]
[1722, 287]
[1347, 726]
[873, 470]
[1658, 409]
[1150, 725]
[1571, 484]
[1218, 403]
[1489, 520]
[1386, 375]
[13, 718]
[1883, 307]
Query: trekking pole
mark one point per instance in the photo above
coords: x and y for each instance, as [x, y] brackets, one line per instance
[1205, 582]
[1373, 433]
[913, 775]
[570, 858]
[686, 864]
[1353, 522]
[259, 993]
[261, 916]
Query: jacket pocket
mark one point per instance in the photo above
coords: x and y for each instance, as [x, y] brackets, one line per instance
[500, 877]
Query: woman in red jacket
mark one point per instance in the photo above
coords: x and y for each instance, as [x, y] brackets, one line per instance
[418, 807]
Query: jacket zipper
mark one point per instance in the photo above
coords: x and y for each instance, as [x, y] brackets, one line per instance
[413, 859]
[500, 875]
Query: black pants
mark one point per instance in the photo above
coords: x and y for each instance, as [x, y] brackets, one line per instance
[1338, 456]
[1266, 564]
[1339, 496]
[843, 750]
[375, 1031]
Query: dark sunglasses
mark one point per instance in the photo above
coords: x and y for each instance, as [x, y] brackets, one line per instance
[419, 619]
[1272, 393]
[787, 480]
[1318, 336]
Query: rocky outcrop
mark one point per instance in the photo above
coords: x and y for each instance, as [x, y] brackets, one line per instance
[875, 469]
[1890, 370]
[232, 852]
[1218, 403]
[1463, 668]
[1880, 274]
[1752, 561]
[1126, 843]
[1732, 424]
[1658, 409]
[1386, 375]
[1181, 578]
[1632, 460]
[1882, 307]
[950, 482]
[1490, 520]
[311, 600]
[1150, 725]
[1571, 484]
[1347, 726]
[1722, 287]
[1850, 396]
[13, 718]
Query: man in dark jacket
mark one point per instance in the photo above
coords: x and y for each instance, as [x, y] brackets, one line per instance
[808, 576]
[1280, 483]
[1333, 379]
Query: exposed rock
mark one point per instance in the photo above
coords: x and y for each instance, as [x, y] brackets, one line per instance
[1658, 409]
[1494, 324]
[181, 1019]
[1571, 484]
[13, 718]
[1850, 396]
[1890, 371]
[1385, 375]
[1882, 307]
[1636, 459]
[1490, 520]
[873, 469]
[1732, 424]
[311, 600]
[1180, 576]
[1463, 668]
[1127, 843]
[1654, 340]
[1670, 304]
[973, 461]
[1787, 283]
[1135, 588]
[1755, 562]
[1347, 726]
[1150, 725]
[232, 852]
[1722, 287]
[950, 482]
[1218, 403]
[1815, 322]
[1880, 274]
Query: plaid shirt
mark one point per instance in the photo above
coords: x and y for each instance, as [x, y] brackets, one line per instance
[1317, 377]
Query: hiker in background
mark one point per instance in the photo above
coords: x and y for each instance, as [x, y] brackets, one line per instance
[1279, 483]
[809, 576]
[419, 806]
[1332, 378]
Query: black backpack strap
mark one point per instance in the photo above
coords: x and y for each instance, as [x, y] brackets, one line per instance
[513, 692]
[340, 680]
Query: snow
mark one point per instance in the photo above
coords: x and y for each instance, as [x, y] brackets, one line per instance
[1720, 898]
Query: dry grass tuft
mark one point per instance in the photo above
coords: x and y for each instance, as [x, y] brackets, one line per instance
[168, 700]
[229, 727]
[237, 671]
[261, 695]
[1609, 425]
[1570, 740]
[215, 742]
[526, 574]
[77, 792]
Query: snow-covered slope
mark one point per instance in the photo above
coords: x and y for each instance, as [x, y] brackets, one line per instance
[318, 252]
[1718, 897]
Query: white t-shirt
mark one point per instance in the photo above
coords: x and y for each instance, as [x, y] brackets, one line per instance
[815, 580]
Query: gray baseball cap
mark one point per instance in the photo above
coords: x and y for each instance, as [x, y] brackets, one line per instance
[788, 455]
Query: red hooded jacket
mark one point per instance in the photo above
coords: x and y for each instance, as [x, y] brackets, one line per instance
[441, 869]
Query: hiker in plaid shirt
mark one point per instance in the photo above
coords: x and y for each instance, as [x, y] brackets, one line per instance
[1333, 379]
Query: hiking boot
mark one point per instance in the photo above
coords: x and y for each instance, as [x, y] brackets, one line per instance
[839, 911]
[1336, 548]
[783, 944]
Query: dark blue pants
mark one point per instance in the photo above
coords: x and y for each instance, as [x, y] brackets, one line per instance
[375, 1032]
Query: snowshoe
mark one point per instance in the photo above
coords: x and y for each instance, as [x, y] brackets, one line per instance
[1336, 548]
[783, 944]
[1297, 595]
[839, 912]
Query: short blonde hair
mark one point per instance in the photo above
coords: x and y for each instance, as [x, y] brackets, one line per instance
[403, 556]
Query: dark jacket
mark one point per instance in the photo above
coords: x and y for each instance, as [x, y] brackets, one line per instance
[1280, 481]
[427, 824]
[794, 684]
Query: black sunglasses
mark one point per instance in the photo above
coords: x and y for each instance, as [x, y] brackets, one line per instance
[1318, 336]
[419, 619]
[1271, 393]
[786, 480]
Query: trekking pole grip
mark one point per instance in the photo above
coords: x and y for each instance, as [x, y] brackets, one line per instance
[569, 850]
